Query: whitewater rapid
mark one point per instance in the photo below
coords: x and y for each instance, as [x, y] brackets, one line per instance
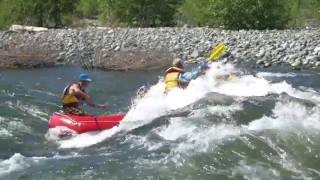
[155, 104]
[259, 125]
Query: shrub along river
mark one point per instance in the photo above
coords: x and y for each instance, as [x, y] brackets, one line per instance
[259, 125]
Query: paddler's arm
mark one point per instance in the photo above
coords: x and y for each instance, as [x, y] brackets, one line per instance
[90, 102]
[188, 76]
[77, 91]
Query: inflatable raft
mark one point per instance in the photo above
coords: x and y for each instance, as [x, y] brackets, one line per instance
[82, 124]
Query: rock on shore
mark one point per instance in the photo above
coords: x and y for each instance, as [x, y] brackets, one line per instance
[152, 48]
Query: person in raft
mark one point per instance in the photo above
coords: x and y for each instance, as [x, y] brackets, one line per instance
[75, 94]
[177, 77]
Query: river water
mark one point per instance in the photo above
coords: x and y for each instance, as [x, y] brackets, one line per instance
[259, 124]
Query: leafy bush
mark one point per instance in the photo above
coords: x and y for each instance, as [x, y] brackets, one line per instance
[252, 14]
[196, 13]
[35, 12]
[88, 8]
[239, 14]
[142, 13]
[231, 14]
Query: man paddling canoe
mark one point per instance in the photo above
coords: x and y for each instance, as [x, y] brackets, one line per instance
[177, 77]
[75, 94]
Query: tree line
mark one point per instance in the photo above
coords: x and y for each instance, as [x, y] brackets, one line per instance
[229, 14]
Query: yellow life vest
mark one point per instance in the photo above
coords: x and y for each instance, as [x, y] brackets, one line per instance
[172, 78]
[69, 99]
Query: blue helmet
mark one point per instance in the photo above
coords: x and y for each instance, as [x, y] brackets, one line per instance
[84, 77]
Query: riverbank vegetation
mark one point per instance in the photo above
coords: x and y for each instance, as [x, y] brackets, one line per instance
[229, 14]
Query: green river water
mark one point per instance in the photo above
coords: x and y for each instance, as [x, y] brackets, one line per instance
[265, 126]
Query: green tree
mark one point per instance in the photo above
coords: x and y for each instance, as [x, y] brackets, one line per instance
[142, 13]
[251, 14]
[88, 8]
[238, 14]
[195, 13]
[11, 12]
[35, 12]
[232, 14]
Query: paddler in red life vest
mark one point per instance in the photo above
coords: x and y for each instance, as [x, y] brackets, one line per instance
[177, 77]
[75, 94]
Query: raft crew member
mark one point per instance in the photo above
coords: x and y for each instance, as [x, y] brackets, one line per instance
[75, 94]
[176, 76]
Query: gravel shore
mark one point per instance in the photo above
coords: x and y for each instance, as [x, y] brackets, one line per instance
[154, 48]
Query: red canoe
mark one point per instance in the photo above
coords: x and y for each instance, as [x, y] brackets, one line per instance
[82, 124]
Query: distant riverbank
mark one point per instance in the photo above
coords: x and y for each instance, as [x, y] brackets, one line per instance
[154, 48]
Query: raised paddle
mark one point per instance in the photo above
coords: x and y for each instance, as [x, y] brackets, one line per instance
[217, 52]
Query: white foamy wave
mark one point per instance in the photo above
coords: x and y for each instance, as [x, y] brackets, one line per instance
[256, 170]
[269, 74]
[17, 162]
[289, 115]
[16, 126]
[58, 133]
[12, 126]
[70, 156]
[204, 139]
[218, 110]
[88, 139]
[135, 141]
[186, 131]
[5, 133]
[44, 92]
[310, 94]
[178, 128]
[249, 85]
[198, 139]
[7, 93]
[153, 99]
[29, 109]
[155, 103]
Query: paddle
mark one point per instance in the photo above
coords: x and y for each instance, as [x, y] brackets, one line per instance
[217, 52]
[214, 54]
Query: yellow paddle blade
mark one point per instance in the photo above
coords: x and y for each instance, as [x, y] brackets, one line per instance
[217, 52]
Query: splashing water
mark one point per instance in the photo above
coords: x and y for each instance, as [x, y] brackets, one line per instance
[263, 126]
[155, 103]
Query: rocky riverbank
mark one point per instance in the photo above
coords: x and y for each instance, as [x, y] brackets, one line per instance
[148, 48]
